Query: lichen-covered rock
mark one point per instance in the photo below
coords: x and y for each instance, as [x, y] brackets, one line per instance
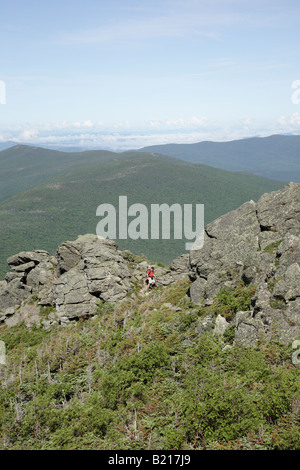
[258, 244]
[13, 293]
[25, 257]
[81, 273]
[71, 283]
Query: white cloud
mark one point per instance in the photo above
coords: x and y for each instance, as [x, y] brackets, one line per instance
[122, 125]
[289, 123]
[88, 123]
[5, 137]
[76, 124]
[295, 119]
[281, 120]
[28, 135]
[61, 125]
[245, 121]
[180, 123]
[183, 123]
[127, 135]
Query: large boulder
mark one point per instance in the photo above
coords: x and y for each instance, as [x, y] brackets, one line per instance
[228, 241]
[69, 284]
[18, 284]
[257, 244]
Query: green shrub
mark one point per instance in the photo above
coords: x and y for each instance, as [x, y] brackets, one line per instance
[138, 376]
[230, 300]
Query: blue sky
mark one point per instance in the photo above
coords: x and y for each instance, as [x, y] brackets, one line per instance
[125, 73]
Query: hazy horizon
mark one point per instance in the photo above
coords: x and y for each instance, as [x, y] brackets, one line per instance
[123, 75]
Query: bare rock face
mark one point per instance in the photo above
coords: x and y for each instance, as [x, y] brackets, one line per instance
[258, 244]
[81, 273]
[69, 284]
[15, 289]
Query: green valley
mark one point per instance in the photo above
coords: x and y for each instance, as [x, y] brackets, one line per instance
[64, 190]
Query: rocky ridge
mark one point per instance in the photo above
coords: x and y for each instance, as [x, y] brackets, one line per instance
[68, 285]
[257, 244]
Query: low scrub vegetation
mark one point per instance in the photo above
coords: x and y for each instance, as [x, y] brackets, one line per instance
[139, 375]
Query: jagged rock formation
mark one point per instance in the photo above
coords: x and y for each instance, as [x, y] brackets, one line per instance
[69, 284]
[259, 244]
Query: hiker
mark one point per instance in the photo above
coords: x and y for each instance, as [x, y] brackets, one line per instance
[151, 279]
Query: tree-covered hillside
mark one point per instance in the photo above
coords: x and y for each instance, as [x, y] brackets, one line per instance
[276, 156]
[65, 205]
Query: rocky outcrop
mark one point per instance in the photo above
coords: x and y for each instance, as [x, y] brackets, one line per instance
[81, 273]
[257, 244]
[69, 284]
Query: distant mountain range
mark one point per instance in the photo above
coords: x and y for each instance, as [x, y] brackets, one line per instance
[49, 196]
[276, 157]
[9, 144]
[23, 167]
